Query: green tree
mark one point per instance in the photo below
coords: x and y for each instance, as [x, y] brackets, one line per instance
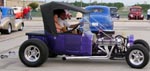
[34, 5]
[117, 4]
[145, 7]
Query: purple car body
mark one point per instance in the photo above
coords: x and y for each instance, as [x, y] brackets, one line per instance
[68, 44]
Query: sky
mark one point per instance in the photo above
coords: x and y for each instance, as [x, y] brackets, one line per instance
[126, 2]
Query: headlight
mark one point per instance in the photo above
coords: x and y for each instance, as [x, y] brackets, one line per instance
[131, 15]
[142, 15]
[95, 24]
[117, 15]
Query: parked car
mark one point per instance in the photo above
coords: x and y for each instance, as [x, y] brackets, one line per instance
[8, 22]
[18, 12]
[135, 13]
[148, 14]
[48, 43]
[99, 18]
[114, 12]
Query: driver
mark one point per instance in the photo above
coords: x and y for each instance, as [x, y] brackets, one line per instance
[62, 20]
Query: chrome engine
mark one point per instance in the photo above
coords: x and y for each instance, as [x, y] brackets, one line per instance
[107, 43]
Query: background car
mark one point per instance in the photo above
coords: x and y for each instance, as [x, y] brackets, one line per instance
[18, 12]
[100, 18]
[114, 12]
[135, 13]
[8, 22]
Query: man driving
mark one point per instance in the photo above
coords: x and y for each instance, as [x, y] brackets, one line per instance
[62, 20]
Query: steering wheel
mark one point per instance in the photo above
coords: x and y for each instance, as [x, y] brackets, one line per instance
[70, 31]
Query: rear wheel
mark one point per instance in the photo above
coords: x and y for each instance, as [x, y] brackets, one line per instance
[8, 31]
[33, 52]
[137, 56]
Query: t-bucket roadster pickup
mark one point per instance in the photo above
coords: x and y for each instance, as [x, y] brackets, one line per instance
[48, 43]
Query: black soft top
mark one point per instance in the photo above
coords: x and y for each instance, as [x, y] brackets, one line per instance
[47, 14]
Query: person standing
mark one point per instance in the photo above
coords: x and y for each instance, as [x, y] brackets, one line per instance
[25, 11]
[148, 14]
[0, 13]
[29, 13]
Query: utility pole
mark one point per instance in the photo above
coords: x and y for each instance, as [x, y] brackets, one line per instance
[45, 1]
[90, 2]
[81, 2]
[5, 3]
[23, 3]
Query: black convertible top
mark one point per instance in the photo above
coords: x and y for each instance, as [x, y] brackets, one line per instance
[47, 14]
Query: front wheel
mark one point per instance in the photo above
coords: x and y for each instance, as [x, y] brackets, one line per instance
[33, 52]
[137, 56]
[142, 42]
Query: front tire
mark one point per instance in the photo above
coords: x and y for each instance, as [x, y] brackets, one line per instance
[137, 56]
[33, 52]
[142, 42]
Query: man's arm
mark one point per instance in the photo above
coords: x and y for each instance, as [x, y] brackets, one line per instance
[72, 26]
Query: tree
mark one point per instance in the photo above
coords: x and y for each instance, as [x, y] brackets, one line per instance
[145, 7]
[117, 4]
[34, 5]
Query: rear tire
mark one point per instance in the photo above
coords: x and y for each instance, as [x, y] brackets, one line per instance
[8, 31]
[137, 56]
[33, 53]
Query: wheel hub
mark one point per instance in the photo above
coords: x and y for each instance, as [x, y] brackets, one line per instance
[32, 53]
[136, 57]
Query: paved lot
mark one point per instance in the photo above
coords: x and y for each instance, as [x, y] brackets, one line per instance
[10, 43]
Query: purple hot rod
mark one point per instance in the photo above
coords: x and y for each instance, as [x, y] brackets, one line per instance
[48, 43]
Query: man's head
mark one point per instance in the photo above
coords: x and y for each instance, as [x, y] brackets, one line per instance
[61, 14]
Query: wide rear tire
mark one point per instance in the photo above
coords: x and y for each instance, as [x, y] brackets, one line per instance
[33, 52]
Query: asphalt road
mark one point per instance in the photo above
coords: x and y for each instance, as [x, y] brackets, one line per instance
[9, 45]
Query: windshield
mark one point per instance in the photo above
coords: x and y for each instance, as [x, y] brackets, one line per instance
[98, 10]
[95, 24]
[135, 9]
[113, 10]
[86, 26]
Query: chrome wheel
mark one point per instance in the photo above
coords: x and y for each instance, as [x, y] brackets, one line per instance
[136, 57]
[9, 28]
[32, 53]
